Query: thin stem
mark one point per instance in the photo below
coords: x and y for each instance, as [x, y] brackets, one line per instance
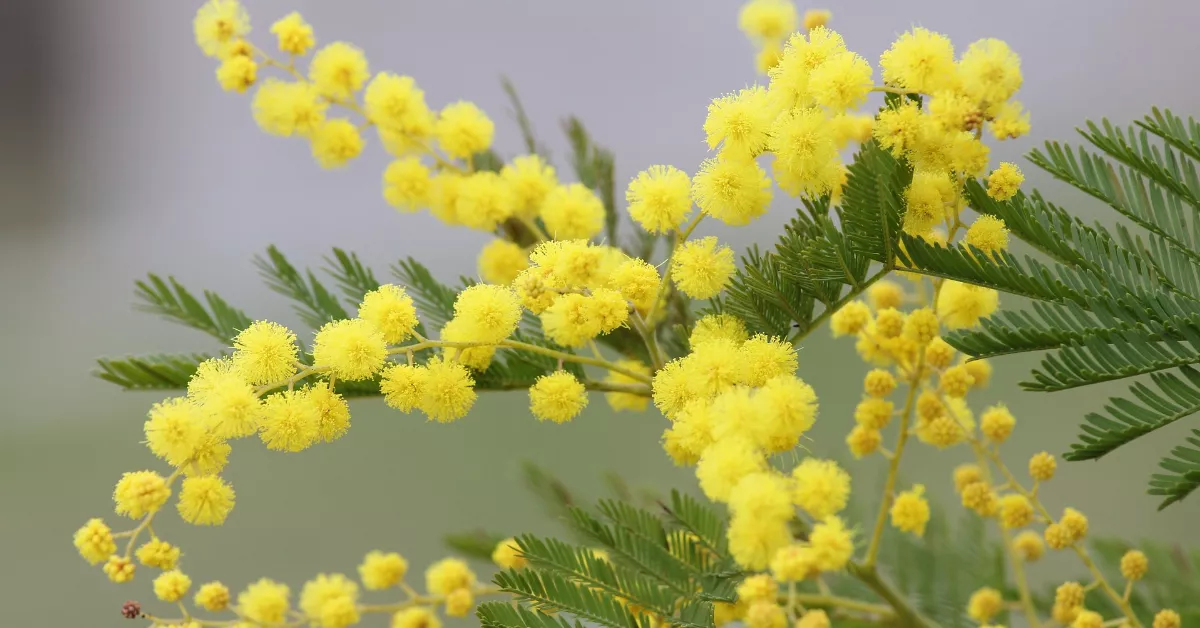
[869, 575]
[1018, 566]
[817, 600]
[889, 487]
[665, 283]
[801, 334]
[649, 337]
[894, 90]
[524, 346]
[419, 600]
[145, 523]
[1080, 550]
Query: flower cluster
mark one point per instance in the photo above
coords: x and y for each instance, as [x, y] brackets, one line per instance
[737, 410]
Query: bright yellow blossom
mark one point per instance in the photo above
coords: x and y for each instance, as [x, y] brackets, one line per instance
[659, 198]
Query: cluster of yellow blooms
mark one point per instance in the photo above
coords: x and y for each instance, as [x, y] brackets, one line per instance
[734, 401]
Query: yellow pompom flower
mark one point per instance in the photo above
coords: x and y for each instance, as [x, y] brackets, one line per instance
[175, 430]
[889, 323]
[897, 129]
[1005, 181]
[761, 496]
[701, 268]
[463, 129]
[850, 319]
[1042, 466]
[691, 433]
[963, 305]
[924, 204]
[910, 511]
[1088, 619]
[531, 179]
[264, 601]
[1075, 523]
[764, 357]
[718, 327]
[381, 570]
[265, 352]
[212, 597]
[403, 386]
[990, 71]
[290, 421]
[336, 142]
[210, 456]
[490, 313]
[237, 74]
[397, 106]
[338, 70]
[724, 463]
[288, 108]
[507, 555]
[333, 413]
[757, 587]
[448, 391]
[766, 614]
[557, 397]
[984, 604]
[391, 311]
[637, 281]
[483, 201]
[791, 563]
[171, 586]
[920, 60]
[1058, 536]
[501, 261]
[988, 234]
[416, 617]
[1029, 545]
[205, 500]
[119, 569]
[1015, 511]
[459, 603]
[921, 326]
[352, 349]
[139, 493]
[753, 542]
[768, 56]
[230, 405]
[822, 487]
[874, 413]
[1167, 618]
[294, 35]
[806, 152]
[815, 18]
[832, 544]
[939, 354]
[218, 24]
[158, 553]
[569, 321]
[979, 497]
[801, 55]
[572, 212]
[448, 574]
[966, 475]
[955, 381]
[739, 123]
[659, 198]
[94, 541]
[407, 184]
[767, 19]
[842, 82]
[1134, 565]
[997, 423]
[1009, 120]
[863, 441]
[324, 590]
[734, 191]
[1069, 595]
[849, 127]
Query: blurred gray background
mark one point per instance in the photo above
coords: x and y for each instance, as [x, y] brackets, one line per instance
[120, 155]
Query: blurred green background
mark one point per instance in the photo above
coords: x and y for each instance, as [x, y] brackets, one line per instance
[120, 155]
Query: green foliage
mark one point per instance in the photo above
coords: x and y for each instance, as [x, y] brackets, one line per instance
[595, 167]
[169, 299]
[315, 304]
[352, 277]
[150, 372]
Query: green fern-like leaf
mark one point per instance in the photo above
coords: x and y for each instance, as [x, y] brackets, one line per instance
[700, 519]
[351, 275]
[549, 591]
[1183, 472]
[315, 304]
[434, 300]
[169, 299]
[645, 556]
[151, 372]
[504, 615]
